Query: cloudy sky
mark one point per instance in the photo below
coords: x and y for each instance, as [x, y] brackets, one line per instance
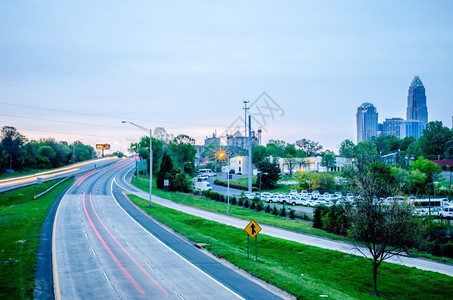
[73, 70]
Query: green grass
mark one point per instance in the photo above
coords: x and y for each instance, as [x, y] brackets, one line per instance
[282, 263]
[21, 219]
[235, 211]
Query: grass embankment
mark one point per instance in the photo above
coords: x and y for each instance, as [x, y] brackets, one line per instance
[21, 219]
[235, 211]
[304, 271]
[241, 183]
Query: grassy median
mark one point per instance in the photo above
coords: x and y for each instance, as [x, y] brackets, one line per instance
[21, 219]
[304, 271]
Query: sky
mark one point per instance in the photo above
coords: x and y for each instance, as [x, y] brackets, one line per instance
[73, 70]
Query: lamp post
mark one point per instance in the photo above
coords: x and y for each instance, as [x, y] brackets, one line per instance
[310, 161]
[150, 158]
[221, 155]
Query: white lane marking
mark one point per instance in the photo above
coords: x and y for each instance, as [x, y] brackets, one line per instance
[93, 252]
[179, 296]
[177, 254]
[86, 235]
[115, 229]
[106, 277]
[128, 244]
[149, 266]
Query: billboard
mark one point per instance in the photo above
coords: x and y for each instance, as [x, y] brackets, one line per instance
[103, 146]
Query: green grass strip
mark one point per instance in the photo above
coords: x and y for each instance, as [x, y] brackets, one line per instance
[235, 211]
[304, 271]
[21, 220]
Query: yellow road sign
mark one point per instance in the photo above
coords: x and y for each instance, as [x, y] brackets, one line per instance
[252, 229]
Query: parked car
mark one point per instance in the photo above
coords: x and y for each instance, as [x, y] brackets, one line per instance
[202, 186]
[446, 212]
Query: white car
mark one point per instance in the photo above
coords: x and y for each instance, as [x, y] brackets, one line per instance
[446, 212]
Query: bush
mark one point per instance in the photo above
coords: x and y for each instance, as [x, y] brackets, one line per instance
[241, 202]
[292, 214]
[267, 208]
[275, 211]
[233, 201]
[319, 212]
[246, 204]
[259, 206]
[253, 206]
[283, 212]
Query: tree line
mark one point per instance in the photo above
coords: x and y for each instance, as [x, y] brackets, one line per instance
[19, 154]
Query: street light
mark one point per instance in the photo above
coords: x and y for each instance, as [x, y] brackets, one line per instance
[221, 155]
[150, 158]
[310, 161]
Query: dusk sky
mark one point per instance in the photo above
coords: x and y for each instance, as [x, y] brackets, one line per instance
[73, 70]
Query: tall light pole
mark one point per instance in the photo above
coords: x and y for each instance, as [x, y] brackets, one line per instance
[221, 155]
[150, 158]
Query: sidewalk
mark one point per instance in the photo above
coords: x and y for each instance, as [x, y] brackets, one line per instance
[419, 263]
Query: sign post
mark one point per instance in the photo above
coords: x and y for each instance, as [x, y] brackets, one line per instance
[252, 230]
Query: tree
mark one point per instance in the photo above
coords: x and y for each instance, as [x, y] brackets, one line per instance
[270, 174]
[258, 154]
[310, 148]
[435, 139]
[385, 230]
[178, 180]
[183, 150]
[275, 148]
[329, 159]
[143, 151]
[347, 149]
[11, 144]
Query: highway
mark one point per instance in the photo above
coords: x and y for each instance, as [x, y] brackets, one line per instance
[70, 170]
[104, 247]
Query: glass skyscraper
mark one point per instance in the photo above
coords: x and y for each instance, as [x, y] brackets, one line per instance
[416, 102]
[367, 122]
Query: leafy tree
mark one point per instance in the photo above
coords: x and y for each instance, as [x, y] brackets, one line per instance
[270, 174]
[11, 144]
[311, 148]
[183, 150]
[385, 230]
[329, 159]
[47, 155]
[435, 139]
[347, 149]
[276, 148]
[143, 151]
[258, 154]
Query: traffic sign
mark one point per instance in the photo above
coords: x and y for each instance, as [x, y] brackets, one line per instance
[252, 229]
[39, 180]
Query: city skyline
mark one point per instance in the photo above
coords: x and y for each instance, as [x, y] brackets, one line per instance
[74, 71]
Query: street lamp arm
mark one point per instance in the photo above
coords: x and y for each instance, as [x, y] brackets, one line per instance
[138, 126]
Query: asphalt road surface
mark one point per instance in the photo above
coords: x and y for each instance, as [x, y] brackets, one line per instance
[105, 248]
[70, 170]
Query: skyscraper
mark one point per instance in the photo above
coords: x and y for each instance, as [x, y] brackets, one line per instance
[392, 127]
[367, 122]
[416, 102]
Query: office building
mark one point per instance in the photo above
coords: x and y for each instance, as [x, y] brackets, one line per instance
[412, 128]
[392, 127]
[416, 102]
[367, 122]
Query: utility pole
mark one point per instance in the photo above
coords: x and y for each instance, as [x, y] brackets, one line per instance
[250, 154]
[245, 122]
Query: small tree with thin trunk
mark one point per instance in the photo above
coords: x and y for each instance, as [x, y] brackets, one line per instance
[385, 229]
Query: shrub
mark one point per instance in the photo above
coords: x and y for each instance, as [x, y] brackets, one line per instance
[253, 206]
[259, 206]
[246, 204]
[241, 202]
[292, 214]
[233, 201]
[319, 212]
[283, 212]
[267, 208]
[275, 211]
